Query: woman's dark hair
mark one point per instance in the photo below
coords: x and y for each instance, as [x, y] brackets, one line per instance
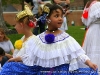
[2, 52]
[54, 7]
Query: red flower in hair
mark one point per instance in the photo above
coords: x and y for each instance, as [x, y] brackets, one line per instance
[31, 24]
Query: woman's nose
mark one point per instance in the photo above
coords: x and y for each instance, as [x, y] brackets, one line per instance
[60, 18]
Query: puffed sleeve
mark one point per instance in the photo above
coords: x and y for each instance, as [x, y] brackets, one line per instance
[25, 52]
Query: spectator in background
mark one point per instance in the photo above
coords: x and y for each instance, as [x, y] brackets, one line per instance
[39, 23]
[6, 44]
[66, 12]
[60, 1]
[35, 11]
[29, 3]
[2, 54]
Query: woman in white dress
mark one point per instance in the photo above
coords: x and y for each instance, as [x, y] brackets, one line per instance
[91, 19]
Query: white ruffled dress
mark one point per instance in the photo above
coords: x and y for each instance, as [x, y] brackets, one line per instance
[91, 43]
[64, 50]
[25, 47]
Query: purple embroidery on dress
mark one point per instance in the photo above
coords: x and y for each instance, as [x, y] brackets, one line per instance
[58, 38]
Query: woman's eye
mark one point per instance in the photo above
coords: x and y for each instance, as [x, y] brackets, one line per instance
[56, 16]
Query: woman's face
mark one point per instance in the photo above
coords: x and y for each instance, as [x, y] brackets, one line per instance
[1, 36]
[56, 19]
[19, 27]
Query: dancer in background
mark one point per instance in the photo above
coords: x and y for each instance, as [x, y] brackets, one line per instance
[91, 19]
[24, 25]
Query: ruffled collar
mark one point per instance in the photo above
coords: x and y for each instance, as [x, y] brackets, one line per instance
[59, 37]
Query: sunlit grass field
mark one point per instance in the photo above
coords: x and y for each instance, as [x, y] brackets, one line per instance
[74, 31]
[77, 32]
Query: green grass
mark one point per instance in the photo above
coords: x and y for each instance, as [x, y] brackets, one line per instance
[74, 31]
[14, 37]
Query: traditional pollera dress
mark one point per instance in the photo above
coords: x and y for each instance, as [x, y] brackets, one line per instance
[91, 43]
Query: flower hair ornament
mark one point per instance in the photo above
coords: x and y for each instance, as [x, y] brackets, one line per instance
[25, 12]
[31, 23]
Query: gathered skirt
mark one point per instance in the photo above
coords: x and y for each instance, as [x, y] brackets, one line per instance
[91, 44]
[17, 68]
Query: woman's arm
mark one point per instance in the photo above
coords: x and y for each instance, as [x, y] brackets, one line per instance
[60, 1]
[8, 55]
[12, 50]
[68, 1]
[85, 59]
[17, 59]
[41, 2]
[90, 64]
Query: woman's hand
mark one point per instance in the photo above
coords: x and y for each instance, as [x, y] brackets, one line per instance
[17, 59]
[8, 55]
[90, 64]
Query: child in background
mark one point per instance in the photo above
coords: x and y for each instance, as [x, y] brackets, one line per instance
[53, 52]
[2, 54]
[41, 25]
[6, 45]
[65, 8]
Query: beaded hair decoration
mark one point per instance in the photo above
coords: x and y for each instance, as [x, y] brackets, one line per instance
[46, 11]
[25, 12]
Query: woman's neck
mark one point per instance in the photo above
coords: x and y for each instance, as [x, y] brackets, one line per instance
[27, 35]
[55, 32]
[1, 40]
[52, 30]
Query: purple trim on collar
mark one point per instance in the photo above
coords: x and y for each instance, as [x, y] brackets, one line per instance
[62, 36]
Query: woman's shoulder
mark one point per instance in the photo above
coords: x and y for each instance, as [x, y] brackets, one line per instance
[8, 41]
[31, 39]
